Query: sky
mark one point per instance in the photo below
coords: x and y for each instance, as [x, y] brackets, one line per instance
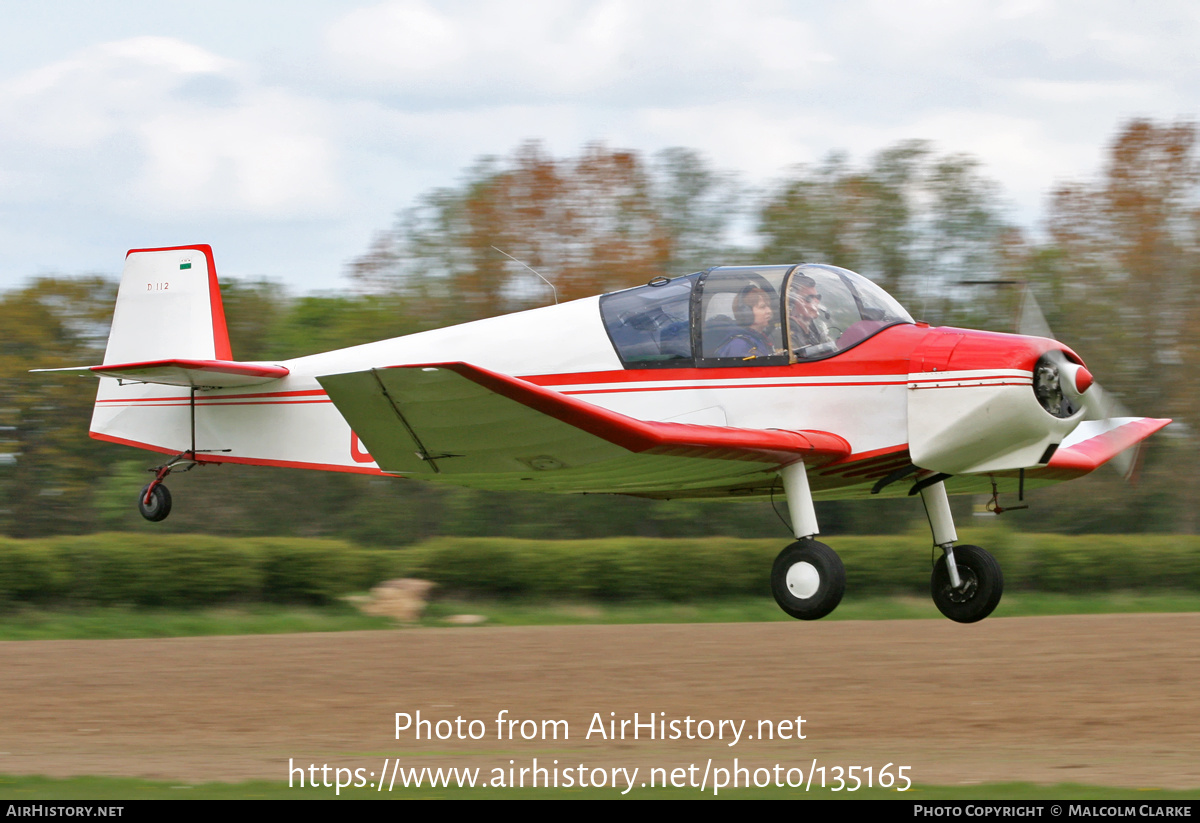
[286, 135]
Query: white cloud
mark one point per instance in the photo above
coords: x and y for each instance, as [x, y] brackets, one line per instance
[555, 50]
[263, 156]
[157, 124]
[403, 39]
[146, 137]
[92, 94]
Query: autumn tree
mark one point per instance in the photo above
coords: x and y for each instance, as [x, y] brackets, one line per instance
[1126, 279]
[697, 206]
[916, 223]
[603, 220]
[47, 461]
[1121, 275]
[1119, 278]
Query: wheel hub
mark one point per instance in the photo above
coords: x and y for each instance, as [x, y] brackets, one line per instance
[968, 589]
[803, 580]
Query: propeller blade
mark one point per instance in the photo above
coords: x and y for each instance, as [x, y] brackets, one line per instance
[1098, 404]
[1030, 320]
[1103, 406]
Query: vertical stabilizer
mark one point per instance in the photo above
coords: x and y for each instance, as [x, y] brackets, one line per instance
[168, 307]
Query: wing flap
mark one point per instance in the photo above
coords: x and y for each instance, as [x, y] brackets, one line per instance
[491, 430]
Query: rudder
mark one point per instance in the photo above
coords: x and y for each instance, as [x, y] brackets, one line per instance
[168, 307]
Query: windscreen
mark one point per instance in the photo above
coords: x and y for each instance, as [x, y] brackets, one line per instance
[830, 310]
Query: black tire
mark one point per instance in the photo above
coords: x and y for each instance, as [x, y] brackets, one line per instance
[808, 580]
[159, 506]
[982, 585]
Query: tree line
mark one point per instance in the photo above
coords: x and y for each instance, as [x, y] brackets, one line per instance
[1116, 269]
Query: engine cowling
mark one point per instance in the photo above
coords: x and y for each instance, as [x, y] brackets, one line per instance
[974, 405]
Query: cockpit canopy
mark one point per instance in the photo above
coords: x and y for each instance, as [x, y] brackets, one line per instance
[746, 316]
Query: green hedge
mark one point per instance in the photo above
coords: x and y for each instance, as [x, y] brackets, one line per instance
[616, 568]
[695, 569]
[186, 570]
[196, 570]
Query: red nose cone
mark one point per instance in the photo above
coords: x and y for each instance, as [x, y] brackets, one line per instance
[1083, 379]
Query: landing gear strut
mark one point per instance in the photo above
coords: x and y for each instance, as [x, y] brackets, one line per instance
[154, 502]
[808, 578]
[967, 582]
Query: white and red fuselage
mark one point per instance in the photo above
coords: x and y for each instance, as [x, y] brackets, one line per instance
[938, 400]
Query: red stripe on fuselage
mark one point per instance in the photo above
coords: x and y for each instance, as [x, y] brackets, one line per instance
[247, 461]
[887, 353]
[963, 382]
[696, 386]
[713, 380]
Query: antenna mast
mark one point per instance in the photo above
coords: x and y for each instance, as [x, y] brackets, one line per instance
[544, 280]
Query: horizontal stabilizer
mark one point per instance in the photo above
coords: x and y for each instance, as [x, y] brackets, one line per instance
[207, 374]
[1095, 442]
[462, 420]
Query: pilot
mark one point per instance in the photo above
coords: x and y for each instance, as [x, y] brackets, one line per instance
[806, 327]
[754, 314]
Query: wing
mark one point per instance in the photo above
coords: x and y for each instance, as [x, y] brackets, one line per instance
[1095, 442]
[1090, 446]
[469, 426]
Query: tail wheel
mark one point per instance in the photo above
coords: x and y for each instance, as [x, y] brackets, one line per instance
[159, 505]
[982, 585]
[808, 580]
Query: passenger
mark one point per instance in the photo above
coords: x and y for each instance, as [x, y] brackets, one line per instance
[754, 314]
[806, 327]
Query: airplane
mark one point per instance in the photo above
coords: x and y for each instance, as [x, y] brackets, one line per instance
[734, 382]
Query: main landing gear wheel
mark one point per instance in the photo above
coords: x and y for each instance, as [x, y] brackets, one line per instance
[982, 585]
[808, 580]
[160, 502]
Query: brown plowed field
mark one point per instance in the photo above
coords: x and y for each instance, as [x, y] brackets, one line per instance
[1100, 700]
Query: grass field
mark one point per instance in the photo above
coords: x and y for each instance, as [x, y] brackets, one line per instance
[23, 623]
